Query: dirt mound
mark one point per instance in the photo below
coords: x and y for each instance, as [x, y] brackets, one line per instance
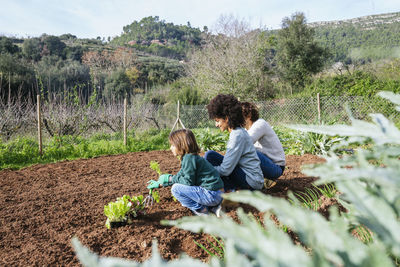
[43, 206]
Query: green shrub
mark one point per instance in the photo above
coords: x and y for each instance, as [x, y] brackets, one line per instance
[17, 152]
[298, 143]
[209, 139]
[359, 83]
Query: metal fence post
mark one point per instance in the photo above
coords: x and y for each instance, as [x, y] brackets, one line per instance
[39, 119]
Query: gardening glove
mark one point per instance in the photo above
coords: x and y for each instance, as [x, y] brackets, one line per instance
[164, 179]
[153, 184]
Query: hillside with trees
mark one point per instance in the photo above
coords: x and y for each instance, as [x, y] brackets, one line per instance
[366, 38]
[165, 62]
[159, 37]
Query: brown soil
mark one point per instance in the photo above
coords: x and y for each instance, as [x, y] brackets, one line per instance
[43, 206]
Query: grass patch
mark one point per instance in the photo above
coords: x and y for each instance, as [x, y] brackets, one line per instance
[22, 152]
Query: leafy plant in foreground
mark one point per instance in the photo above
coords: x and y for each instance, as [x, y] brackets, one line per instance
[370, 193]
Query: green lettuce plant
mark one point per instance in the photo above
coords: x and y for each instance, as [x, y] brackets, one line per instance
[123, 209]
[117, 211]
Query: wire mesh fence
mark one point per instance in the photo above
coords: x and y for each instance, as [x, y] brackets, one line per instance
[328, 110]
[64, 119]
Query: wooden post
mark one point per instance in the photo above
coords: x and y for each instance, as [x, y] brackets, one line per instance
[178, 110]
[319, 109]
[125, 120]
[9, 88]
[178, 119]
[39, 118]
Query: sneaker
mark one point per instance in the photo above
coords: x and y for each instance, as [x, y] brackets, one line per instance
[216, 210]
[203, 212]
[229, 204]
[268, 184]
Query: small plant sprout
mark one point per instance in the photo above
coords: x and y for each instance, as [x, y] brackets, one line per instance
[217, 247]
[155, 167]
[362, 233]
[328, 190]
[285, 228]
[155, 196]
[309, 198]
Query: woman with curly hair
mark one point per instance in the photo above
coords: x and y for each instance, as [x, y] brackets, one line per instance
[269, 148]
[240, 167]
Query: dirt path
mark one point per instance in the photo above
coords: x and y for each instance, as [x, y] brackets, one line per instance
[42, 207]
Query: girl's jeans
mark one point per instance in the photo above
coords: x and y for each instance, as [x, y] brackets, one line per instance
[237, 179]
[270, 170]
[196, 198]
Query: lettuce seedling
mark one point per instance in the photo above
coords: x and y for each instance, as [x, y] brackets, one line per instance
[156, 167]
[117, 211]
[123, 209]
[137, 205]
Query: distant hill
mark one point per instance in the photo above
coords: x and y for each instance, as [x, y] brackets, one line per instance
[363, 38]
[366, 22]
[159, 37]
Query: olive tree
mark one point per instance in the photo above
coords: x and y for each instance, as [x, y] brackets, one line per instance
[298, 55]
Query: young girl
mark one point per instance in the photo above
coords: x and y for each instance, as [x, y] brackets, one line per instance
[240, 167]
[197, 185]
[269, 148]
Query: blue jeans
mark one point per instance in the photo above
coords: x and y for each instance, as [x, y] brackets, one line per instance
[196, 197]
[237, 179]
[270, 170]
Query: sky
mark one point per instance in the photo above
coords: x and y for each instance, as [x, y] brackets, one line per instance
[104, 18]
